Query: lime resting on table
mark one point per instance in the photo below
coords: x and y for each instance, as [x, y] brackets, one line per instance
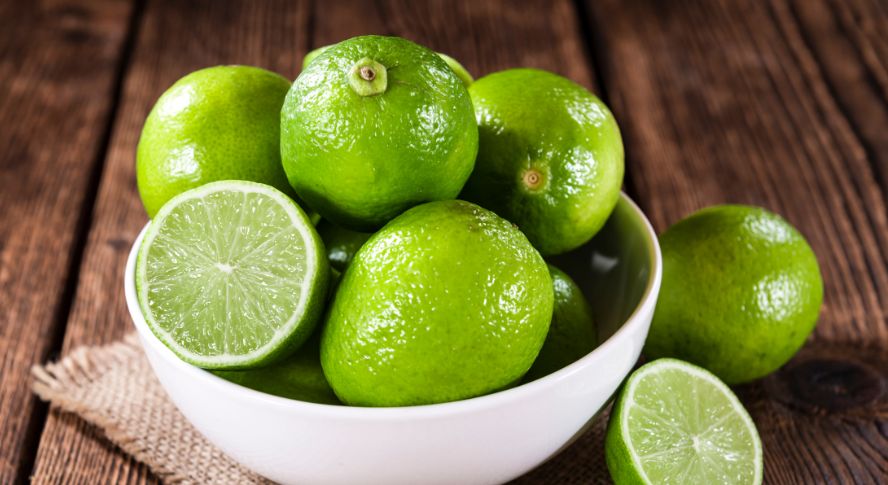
[231, 275]
[676, 423]
[741, 292]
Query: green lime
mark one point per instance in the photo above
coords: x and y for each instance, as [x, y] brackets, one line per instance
[374, 126]
[675, 423]
[457, 68]
[231, 275]
[461, 72]
[446, 302]
[550, 157]
[312, 55]
[572, 333]
[298, 377]
[341, 243]
[219, 123]
[741, 292]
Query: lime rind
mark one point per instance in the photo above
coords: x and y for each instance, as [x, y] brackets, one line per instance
[709, 396]
[276, 329]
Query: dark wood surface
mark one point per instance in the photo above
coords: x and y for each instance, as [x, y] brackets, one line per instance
[782, 104]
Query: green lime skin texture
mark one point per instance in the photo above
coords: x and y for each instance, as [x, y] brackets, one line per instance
[550, 157]
[341, 243]
[674, 423]
[572, 333]
[298, 377]
[461, 72]
[446, 302]
[218, 123]
[231, 275]
[374, 126]
[741, 292]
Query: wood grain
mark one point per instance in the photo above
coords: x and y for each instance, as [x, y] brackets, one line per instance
[849, 42]
[728, 102]
[780, 104]
[58, 65]
[174, 39]
[485, 36]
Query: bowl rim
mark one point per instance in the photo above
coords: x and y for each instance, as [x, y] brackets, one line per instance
[487, 401]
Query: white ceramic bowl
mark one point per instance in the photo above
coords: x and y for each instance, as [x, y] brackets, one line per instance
[487, 439]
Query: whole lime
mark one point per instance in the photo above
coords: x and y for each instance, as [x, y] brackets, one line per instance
[298, 377]
[446, 302]
[219, 123]
[461, 72]
[741, 292]
[550, 157]
[572, 333]
[341, 243]
[374, 126]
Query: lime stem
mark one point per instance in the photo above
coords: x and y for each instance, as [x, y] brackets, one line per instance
[368, 77]
[367, 73]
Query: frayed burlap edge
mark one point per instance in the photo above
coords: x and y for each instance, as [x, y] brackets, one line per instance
[113, 388]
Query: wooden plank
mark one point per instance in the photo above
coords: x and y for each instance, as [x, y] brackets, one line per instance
[727, 102]
[59, 62]
[849, 42]
[174, 39]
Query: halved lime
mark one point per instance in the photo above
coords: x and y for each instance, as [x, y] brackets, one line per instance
[676, 423]
[231, 275]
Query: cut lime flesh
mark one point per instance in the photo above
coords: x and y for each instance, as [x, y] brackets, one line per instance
[231, 275]
[676, 423]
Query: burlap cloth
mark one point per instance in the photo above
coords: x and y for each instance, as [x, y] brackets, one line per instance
[114, 388]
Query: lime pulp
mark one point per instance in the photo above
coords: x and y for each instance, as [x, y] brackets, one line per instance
[231, 275]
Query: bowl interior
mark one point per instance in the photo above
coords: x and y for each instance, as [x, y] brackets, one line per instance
[614, 268]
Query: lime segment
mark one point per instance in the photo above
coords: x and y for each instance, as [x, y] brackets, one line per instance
[231, 275]
[676, 423]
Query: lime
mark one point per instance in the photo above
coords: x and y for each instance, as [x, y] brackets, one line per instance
[341, 243]
[675, 423]
[219, 123]
[298, 377]
[741, 292]
[374, 126]
[550, 157]
[231, 275]
[457, 68]
[446, 302]
[572, 333]
[461, 72]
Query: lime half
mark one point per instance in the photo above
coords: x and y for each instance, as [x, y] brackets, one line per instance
[676, 423]
[231, 275]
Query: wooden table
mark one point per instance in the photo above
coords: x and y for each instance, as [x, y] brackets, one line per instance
[782, 104]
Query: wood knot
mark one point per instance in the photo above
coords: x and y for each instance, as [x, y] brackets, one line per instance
[828, 386]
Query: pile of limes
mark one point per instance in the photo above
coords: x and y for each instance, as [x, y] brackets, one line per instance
[374, 234]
